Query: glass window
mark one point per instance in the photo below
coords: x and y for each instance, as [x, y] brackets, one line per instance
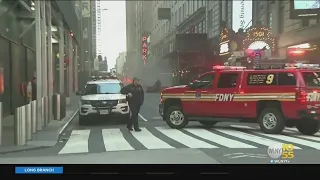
[228, 80]
[103, 88]
[205, 81]
[263, 79]
[286, 79]
[312, 79]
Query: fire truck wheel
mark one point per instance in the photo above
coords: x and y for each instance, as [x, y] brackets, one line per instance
[308, 127]
[208, 124]
[175, 118]
[271, 121]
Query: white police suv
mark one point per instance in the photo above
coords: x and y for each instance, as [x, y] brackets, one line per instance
[102, 98]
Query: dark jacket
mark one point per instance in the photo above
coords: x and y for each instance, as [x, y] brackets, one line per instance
[137, 94]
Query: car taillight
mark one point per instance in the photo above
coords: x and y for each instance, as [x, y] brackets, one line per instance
[301, 97]
[161, 100]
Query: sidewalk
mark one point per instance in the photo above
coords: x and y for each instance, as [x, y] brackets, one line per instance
[45, 138]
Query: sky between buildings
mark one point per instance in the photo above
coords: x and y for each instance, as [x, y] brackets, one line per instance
[113, 30]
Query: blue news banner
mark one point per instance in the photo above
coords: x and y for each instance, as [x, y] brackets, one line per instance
[39, 170]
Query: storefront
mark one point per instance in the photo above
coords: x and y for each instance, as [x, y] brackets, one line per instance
[229, 42]
[260, 38]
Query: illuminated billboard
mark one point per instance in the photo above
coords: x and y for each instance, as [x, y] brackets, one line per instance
[241, 14]
[304, 9]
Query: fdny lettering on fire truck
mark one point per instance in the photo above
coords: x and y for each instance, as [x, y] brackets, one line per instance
[313, 97]
[224, 97]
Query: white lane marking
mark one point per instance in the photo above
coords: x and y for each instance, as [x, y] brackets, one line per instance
[77, 143]
[114, 141]
[183, 138]
[219, 139]
[250, 137]
[142, 117]
[149, 140]
[287, 138]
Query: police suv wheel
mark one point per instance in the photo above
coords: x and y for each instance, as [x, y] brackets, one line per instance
[82, 120]
[308, 126]
[175, 118]
[271, 121]
[208, 124]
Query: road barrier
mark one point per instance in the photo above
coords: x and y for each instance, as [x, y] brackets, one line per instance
[26, 121]
[34, 116]
[30, 118]
[56, 107]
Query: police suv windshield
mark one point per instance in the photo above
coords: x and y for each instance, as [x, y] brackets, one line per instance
[103, 88]
[312, 79]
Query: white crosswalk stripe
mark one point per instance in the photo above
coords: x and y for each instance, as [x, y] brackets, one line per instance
[114, 141]
[77, 143]
[236, 136]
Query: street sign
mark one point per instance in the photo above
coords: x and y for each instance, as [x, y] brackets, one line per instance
[96, 65]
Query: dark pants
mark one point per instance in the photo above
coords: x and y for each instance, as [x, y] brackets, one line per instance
[135, 109]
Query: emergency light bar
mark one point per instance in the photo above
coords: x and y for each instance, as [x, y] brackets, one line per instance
[301, 66]
[228, 67]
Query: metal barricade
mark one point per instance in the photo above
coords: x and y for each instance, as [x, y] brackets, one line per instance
[20, 126]
[1, 118]
[28, 121]
[34, 116]
[39, 115]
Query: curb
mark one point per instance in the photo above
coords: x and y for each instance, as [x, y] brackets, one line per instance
[70, 119]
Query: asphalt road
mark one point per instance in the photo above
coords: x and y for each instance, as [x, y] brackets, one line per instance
[111, 142]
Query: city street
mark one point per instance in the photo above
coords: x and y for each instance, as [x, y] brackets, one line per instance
[111, 142]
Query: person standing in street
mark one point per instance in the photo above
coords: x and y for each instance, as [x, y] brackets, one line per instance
[135, 97]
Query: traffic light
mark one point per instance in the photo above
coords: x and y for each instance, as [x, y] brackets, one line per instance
[99, 58]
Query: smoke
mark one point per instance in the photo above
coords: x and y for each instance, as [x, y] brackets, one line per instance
[157, 71]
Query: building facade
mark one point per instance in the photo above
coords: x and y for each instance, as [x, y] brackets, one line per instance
[94, 28]
[98, 27]
[120, 61]
[289, 32]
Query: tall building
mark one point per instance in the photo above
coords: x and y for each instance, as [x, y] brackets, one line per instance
[94, 28]
[98, 19]
[131, 39]
[121, 59]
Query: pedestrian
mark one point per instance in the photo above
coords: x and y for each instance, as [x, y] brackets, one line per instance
[34, 89]
[135, 96]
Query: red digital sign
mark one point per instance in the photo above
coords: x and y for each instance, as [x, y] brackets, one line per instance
[144, 49]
